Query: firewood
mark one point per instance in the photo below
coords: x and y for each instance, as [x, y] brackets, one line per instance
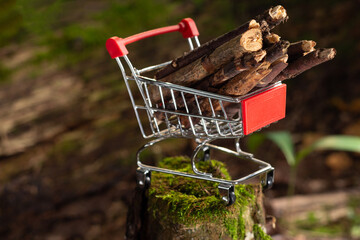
[244, 82]
[276, 67]
[273, 17]
[249, 41]
[268, 20]
[276, 51]
[300, 48]
[306, 62]
[270, 38]
[247, 61]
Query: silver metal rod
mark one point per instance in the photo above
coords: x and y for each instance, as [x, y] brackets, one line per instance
[197, 41]
[190, 44]
[154, 67]
[186, 89]
[131, 96]
[266, 167]
[185, 114]
[193, 158]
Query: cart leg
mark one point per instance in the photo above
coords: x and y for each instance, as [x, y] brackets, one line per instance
[241, 152]
[269, 180]
[227, 193]
[193, 159]
[143, 177]
[206, 152]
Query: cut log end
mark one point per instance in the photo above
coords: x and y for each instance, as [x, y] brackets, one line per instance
[278, 13]
[308, 45]
[253, 24]
[251, 40]
[272, 38]
[327, 53]
[259, 55]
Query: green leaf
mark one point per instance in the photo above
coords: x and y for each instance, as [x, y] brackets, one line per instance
[284, 142]
[335, 142]
[254, 141]
[338, 142]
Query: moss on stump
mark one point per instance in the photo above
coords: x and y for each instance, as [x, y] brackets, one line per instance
[186, 208]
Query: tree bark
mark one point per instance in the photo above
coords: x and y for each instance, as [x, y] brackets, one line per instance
[185, 208]
[240, 84]
[249, 41]
[306, 62]
[244, 82]
[300, 48]
[268, 20]
[247, 61]
[276, 67]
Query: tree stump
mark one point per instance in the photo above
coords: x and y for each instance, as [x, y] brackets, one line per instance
[176, 207]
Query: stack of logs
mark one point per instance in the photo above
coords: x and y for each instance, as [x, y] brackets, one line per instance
[243, 60]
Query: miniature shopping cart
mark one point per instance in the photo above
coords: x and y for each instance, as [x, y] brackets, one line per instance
[178, 113]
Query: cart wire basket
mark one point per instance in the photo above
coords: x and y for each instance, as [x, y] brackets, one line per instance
[174, 111]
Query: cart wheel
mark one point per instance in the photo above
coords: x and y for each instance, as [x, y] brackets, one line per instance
[143, 178]
[232, 198]
[206, 151]
[269, 180]
[227, 194]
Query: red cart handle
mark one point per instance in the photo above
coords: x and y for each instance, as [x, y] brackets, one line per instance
[116, 46]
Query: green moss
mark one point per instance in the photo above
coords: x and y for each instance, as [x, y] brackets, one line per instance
[241, 227]
[259, 233]
[189, 201]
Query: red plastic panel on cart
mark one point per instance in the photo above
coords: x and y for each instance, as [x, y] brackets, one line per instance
[264, 108]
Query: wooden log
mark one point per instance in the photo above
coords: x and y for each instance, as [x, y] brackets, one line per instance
[269, 19]
[186, 208]
[270, 39]
[249, 41]
[300, 48]
[244, 82]
[273, 17]
[276, 67]
[276, 51]
[247, 61]
[306, 62]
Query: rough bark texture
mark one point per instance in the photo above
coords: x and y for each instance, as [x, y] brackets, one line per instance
[306, 62]
[276, 51]
[300, 48]
[276, 67]
[244, 82]
[235, 67]
[268, 20]
[249, 41]
[185, 208]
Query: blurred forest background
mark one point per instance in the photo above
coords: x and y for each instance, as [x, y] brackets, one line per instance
[68, 134]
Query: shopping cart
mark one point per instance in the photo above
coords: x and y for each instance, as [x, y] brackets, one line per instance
[179, 112]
